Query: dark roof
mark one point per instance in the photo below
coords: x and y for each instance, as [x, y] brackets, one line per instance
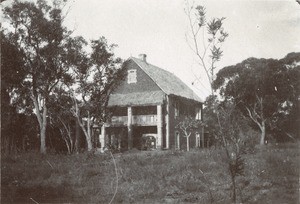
[137, 98]
[168, 82]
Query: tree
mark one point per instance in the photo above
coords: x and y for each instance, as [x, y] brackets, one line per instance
[37, 30]
[211, 119]
[81, 66]
[61, 118]
[11, 76]
[230, 131]
[187, 126]
[285, 122]
[205, 39]
[263, 89]
[95, 76]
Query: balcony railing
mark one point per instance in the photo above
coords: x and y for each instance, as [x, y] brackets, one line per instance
[119, 120]
[144, 120]
[139, 120]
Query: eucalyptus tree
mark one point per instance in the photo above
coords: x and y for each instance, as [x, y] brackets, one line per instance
[36, 29]
[95, 75]
[285, 122]
[263, 89]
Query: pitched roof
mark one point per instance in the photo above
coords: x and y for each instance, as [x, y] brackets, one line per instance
[168, 82]
[137, 98]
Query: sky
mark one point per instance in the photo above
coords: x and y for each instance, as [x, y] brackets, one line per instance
[157, 28]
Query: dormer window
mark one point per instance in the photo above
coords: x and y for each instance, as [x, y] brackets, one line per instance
[131, 76]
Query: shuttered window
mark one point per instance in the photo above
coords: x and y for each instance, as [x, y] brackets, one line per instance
[132, 76]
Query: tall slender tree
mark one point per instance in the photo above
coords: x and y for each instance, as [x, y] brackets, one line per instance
[37, 31]
[96, 73]
[205, 39]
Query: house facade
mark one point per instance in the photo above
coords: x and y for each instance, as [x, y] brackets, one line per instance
[145, 106]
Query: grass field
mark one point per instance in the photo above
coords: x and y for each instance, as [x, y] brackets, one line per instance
[198, 176]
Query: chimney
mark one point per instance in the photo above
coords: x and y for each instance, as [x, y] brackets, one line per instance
[143, 57]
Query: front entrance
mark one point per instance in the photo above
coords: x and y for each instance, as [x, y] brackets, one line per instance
[138, 132]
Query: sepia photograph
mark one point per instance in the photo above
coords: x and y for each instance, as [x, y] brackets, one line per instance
[150, 101]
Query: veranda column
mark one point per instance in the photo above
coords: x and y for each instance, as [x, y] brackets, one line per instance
[168, 125]
[159, 127]
[129, 127]
[102, 136]
[202, 137]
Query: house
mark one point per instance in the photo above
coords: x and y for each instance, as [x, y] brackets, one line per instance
[145, 104]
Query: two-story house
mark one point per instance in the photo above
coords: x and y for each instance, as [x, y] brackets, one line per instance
[147, 102]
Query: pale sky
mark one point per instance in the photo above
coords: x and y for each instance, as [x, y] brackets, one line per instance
[261, 29]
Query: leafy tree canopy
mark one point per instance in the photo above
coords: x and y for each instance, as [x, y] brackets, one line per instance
[263, 89]
[36, 30]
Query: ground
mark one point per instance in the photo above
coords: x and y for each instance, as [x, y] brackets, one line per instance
[198, 176]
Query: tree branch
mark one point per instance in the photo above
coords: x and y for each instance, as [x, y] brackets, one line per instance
[254, 119]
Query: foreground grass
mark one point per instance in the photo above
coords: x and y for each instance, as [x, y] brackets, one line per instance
[271, 176]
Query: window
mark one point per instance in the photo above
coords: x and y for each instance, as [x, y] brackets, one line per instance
[132, 76]
[176, 109]
[198, 113]
[197, 139]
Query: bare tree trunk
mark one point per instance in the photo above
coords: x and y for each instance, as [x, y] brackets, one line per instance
[68, 146]
[263, 133]
[261, 124]
[86, 131]
[89, 132]
[42, 119]
[77, 136]
[43, 131]
[89, 135]
[71, 141]
[187, 144]
[65, 139]
[66, 135]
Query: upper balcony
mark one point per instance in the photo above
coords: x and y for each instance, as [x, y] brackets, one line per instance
[138, 120]
[119, 120]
